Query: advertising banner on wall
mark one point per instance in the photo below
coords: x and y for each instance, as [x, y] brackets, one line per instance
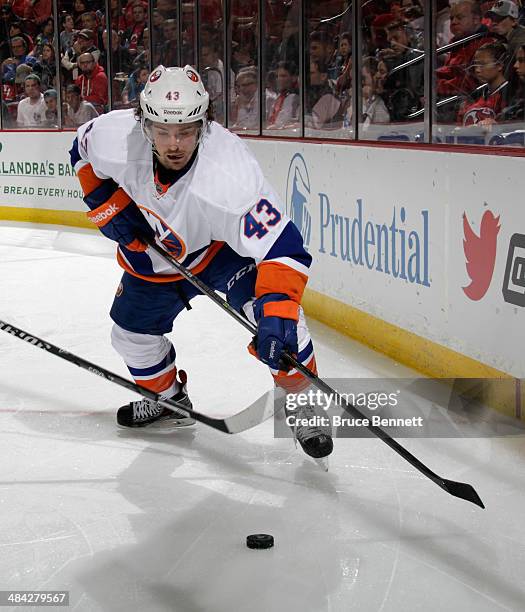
[427, 241]
[430, 242]
[35, 171]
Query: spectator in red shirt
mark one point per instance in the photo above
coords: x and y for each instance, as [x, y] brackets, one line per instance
[93, 82]
[38, 11]
[488, 67]
[453, 77]
[134, 34]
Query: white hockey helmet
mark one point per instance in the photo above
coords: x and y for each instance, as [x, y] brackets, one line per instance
[174, 96]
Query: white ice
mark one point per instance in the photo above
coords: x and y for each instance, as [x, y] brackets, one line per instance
[131, 521]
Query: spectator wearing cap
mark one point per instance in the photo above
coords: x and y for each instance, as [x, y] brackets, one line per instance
[86, 44]
[77, 111]
[51, 114]
[93, 82]
[31, 110]
[83, 43]
[504, 22]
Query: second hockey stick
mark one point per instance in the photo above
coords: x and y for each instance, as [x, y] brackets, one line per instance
[457, 489]
[246, 419]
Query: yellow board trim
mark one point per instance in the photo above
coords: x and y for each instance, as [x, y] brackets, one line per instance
[506, 394]
[416, 352]
[69, 218]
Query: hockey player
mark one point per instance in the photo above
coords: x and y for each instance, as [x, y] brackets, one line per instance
[168, 172]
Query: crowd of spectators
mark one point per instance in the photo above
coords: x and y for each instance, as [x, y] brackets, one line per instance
[479, 78]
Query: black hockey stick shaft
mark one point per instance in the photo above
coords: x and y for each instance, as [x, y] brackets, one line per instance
[458, 489]
[244, 420]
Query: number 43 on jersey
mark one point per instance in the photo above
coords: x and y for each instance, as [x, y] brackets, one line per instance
[256, 223]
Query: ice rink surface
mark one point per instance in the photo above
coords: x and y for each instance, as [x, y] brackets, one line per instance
[133, 521]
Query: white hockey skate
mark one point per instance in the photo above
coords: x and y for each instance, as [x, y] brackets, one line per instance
[315, 440]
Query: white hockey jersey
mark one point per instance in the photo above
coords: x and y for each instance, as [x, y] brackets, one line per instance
[223, 198]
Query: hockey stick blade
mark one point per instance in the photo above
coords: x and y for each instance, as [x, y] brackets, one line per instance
[246, 419]
[461, 490]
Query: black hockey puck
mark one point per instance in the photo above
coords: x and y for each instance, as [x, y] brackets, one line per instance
[259, 540]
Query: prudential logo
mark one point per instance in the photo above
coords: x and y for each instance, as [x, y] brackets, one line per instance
[396, 244]
[298, 197]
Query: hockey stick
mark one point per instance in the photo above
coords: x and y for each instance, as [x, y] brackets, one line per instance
[246, 419]
[458, 489]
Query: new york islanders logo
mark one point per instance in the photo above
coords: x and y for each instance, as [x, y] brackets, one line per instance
[155, 76]
[171, 241]
[192, 76]
[298, 197]
[480, 254]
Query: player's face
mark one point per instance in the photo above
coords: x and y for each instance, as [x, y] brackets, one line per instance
[175, 144]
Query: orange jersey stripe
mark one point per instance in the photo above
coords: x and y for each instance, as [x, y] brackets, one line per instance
[295, 382]
[89, 181]
[285, 310]
[169, 278]
[104, 213]
[275, 277]
[161, 383]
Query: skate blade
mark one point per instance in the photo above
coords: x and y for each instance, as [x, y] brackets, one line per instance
[161, 426]
[322, 463]
[171, 424]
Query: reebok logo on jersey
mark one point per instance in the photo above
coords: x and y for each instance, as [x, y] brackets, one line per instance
[103, 216]
[480, 254]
